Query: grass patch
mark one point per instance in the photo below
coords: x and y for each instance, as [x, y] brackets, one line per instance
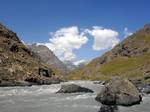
[124, 67]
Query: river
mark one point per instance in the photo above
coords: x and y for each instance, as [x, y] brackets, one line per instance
[43, 99]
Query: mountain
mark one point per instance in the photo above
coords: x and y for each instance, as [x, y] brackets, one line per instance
[82, 64]
[75, 65]
[19, 64]
[70, 65]
[48, 57]
[130, 58]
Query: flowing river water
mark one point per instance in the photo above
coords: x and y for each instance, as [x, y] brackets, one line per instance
[44, 99]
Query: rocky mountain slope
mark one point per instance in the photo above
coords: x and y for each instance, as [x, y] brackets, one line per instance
[48, 57]
[130, 58]
[18, 63]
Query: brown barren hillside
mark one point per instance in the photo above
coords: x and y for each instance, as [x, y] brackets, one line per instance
[18, 63]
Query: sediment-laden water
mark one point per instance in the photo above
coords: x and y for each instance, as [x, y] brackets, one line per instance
[44, 99]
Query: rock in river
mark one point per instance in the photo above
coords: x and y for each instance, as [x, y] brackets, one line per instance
[119, 92]
[72, 88]
[108, 108]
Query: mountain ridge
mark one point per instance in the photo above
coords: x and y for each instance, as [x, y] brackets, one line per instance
[48, 57]
[18, 63]
[130, 58]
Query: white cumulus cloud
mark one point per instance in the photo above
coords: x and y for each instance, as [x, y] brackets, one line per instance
[65, 40]
[126, 32]
[103, 38]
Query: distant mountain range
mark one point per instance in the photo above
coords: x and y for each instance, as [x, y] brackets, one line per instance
[48, 57]
[130, 58]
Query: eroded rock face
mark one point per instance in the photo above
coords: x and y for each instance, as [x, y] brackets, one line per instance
[72, 88]
[119, 92]
[46, 72]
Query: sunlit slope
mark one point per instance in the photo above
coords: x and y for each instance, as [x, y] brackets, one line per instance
[130, 58]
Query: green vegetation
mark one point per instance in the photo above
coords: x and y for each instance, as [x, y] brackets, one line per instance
[125, 67]
[122, 65]
[147, 81]
[130, 59]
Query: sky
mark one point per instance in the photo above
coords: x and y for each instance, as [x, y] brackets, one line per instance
[75, 30]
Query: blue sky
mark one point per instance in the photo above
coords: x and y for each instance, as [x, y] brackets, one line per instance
[33, 20]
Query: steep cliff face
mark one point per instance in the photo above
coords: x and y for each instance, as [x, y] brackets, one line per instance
[48, 57]
[130, 58]
[17, 62]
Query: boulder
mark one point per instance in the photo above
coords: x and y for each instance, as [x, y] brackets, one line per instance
[72, 88]
[119, 92]
[108, 108]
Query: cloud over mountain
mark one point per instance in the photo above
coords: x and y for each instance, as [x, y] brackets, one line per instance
[66, 40]
[103, 38]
